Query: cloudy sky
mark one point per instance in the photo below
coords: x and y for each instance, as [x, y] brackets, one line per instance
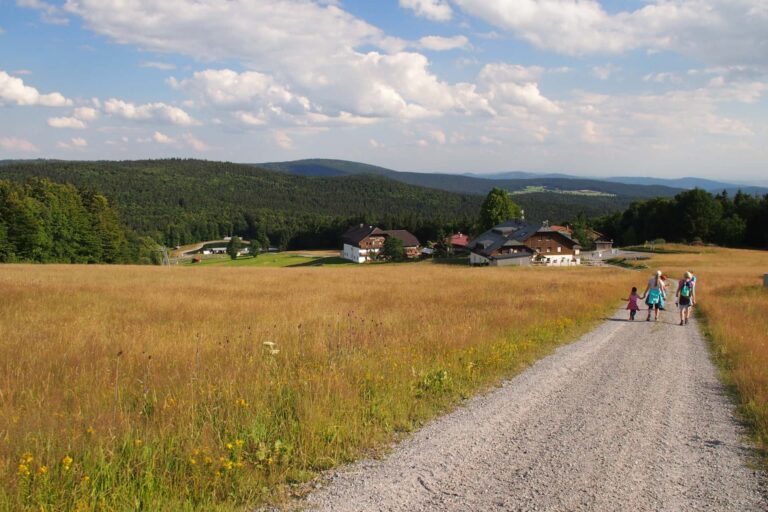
[652, 87]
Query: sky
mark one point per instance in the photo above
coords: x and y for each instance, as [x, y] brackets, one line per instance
[664, 88]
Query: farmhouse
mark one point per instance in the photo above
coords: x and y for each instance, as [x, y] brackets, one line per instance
[517, 242]
[363, 243]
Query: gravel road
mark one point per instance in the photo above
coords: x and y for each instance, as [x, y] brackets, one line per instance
[630, 417]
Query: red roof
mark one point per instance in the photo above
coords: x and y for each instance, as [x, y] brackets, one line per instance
[459, 240]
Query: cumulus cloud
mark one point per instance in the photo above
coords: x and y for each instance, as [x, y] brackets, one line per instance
[85, 113]
[65, 122]
[437, 10]
[508, 87]
[162, 138]
[17, 144]
[710, 30]
[195, 143]
[13, 90]
[148, 112]
[439, 44]
[74, 143]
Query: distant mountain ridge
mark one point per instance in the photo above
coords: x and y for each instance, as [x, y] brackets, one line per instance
[469, 184]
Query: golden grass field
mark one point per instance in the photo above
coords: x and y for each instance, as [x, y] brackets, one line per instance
[158, 388]
[126, 388]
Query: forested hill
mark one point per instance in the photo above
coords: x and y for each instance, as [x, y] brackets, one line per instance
[180, 201]
[474, 184]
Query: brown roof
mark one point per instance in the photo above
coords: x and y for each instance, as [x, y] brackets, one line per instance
[357, 234]
[409, 240]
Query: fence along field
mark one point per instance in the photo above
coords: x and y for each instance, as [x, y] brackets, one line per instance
[211, 388]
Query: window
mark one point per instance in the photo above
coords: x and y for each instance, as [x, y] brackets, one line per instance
[559, 249]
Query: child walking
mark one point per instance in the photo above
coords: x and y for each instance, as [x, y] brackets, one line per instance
[632, 304]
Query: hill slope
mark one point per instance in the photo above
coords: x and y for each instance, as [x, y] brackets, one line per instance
[470, 184]
[191, 200]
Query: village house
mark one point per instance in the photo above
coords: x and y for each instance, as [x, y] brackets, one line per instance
[517, 242]
[363, 243]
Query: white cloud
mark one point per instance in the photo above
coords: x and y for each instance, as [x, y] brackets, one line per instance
[162, 138]
[148, 112]
[74, 143]
[85, 113]
[437, 10]
[17, 144]
[49, 13]
[195, 143]
[730, 31]
[437, 43]
[282, 139]
[509, 87]
[163, 66]
[65, 122]
[13, 90]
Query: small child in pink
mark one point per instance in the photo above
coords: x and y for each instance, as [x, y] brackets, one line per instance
[632, 304]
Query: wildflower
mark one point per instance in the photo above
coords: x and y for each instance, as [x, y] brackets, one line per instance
[26, 458]
[239, 442]
[138, 442]
[66, 462]
[90, 431]
[239, 463]
[208, 461]
[85, 479]
[270, 461]
[241, 402]
[23, 470]
[192, 461]
[230, 446]
[42, 470]
[226, 465]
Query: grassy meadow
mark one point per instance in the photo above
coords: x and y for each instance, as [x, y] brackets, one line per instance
[146, 388]
[734, 306]
[278, 259]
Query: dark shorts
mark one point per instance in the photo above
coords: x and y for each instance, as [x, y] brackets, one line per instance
[685, 302]
[652, 306]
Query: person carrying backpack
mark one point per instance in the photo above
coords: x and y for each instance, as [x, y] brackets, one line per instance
[654, 295]
[686, 297]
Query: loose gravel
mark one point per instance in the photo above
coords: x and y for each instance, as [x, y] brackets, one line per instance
[630, 417]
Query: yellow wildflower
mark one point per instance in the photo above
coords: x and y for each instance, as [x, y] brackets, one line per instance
[66, 462]
[241, 402]
[90, 431]
[42, 470]
[85, 479]
[26, 458]
[239, 442]
[192, 461]
[23, 470]
[270, 461]
[230, 446]
[138, 442]
[208, 460]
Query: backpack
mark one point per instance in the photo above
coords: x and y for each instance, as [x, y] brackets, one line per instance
[685, 291]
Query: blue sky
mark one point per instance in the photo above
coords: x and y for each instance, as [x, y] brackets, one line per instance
[654, 87]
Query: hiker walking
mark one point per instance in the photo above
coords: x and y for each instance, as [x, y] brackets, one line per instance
[654, 295]
[686, 297]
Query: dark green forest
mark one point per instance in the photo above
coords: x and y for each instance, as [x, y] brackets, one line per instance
[46, 222]
[182, 201]
[692, 216]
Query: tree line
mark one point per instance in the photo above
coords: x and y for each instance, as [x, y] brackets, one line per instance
[46, 222]
[692, 216]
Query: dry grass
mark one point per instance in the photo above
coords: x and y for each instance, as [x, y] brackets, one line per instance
[735, 305]
[127, 388]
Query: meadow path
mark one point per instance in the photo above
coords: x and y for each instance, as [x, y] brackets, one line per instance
[630, 417]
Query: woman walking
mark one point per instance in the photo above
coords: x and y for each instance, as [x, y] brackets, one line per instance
[686, 297]
[654, 295]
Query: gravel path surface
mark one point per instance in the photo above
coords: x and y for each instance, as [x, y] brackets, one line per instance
[630, 417]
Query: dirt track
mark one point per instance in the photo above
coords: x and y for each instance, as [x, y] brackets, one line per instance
[630, 417]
